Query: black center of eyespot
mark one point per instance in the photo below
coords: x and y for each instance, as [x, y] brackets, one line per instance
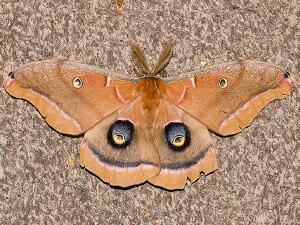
[286, 75]
[120, 134]
[12, 75]
[178, 136]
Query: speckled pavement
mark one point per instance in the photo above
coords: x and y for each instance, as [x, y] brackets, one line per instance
[41, 181]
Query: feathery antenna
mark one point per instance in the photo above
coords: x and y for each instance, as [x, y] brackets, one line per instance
[163, 60]
[140, 58]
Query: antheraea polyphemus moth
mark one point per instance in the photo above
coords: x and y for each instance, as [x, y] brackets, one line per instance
[150, 128]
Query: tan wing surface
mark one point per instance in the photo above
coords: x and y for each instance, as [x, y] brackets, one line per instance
[226, 98]
[72, 97]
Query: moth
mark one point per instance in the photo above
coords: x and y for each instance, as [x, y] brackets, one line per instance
[151, 128]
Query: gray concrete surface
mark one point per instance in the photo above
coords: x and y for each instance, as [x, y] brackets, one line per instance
[258, 180]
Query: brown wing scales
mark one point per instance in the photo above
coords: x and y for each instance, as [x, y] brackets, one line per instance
[48, 85]
[149, 131]
[251, 86]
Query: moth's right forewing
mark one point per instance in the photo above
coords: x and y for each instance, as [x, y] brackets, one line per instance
[229, 96]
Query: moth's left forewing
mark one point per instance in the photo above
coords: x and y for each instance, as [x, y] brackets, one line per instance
[228, 97]
[72, 97]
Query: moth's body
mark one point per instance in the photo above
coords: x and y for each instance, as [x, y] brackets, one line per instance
[149, 130]
[151, 91]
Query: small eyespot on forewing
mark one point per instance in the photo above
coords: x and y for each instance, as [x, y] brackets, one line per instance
[223, 83]
[77, 82]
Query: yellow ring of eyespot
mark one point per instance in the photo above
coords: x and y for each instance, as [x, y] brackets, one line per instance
[77, 82]
[223, 83]
[178, 141]
[119, 138]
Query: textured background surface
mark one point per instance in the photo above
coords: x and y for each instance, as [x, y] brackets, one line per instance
[258, 180]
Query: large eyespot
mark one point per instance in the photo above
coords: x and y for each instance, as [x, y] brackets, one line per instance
[286, 75]
[77, 82]
[223, 83]
[12, 75]
[120, 134]
[178, 136]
